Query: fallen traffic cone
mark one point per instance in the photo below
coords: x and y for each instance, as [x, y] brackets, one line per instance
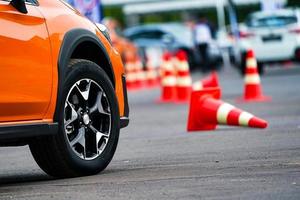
[253, 90]
[168, 80]
[206, 111]
[210, 81]
[183, 79]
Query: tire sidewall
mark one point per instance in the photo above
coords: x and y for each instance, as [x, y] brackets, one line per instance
[82, 70]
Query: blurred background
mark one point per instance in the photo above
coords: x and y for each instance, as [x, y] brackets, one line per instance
[213, 33]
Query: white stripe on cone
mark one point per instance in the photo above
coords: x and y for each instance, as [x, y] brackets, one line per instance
[141, 75]
[168, 66]
[131, 77]
[139, 64]
[198, 86]
[251, 63]
[151, 74]
[169, 81]
[245, 118]
[184, 81]
[223, 112]
[130, 66]
[225, 109]
[182, 66]
[252, 79]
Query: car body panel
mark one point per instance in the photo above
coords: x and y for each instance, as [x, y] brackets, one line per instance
[26, 65]
[55, 13]
[57, 19]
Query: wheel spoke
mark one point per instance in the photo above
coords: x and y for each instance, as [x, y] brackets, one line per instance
[98, 134]
[105, 139]
[74, 115]
[98, 105]
[85, 94]
[80, 139]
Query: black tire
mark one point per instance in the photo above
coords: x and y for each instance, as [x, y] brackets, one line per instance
[54, 154]
[261, 68]
[242, 64]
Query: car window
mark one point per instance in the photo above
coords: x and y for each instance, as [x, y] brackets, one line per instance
[147, 35]
[271, 21]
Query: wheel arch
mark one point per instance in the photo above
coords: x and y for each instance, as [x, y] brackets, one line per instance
[81, 44]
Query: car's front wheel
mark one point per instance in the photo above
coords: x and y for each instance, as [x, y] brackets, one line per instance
[89, 126]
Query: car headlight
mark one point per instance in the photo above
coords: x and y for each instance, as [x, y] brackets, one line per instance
[104, 31]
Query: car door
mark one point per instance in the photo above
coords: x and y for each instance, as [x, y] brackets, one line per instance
[25, 64]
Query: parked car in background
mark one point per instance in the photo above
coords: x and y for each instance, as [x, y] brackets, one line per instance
[274, 36]
[173, 37]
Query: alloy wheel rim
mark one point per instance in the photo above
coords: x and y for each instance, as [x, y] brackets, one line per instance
[87, 119]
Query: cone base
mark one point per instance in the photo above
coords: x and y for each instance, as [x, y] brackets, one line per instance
[183, 94]
[151, 85]
[194, 122]
[256, 99]
[191, 128]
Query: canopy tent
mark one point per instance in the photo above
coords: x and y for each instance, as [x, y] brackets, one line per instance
[127, 2]
[150, 6]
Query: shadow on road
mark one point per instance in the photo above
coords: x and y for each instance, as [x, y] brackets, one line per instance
[282, 71]
[24, 178]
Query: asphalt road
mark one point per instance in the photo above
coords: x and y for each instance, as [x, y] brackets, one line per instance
[158, 159]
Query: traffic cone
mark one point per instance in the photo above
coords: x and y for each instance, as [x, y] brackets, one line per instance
[206, 111]
[151, 75]
[211, 81]
[253, 90]
[140, 73]
[131, 76]
[183, 79]
[168, 80]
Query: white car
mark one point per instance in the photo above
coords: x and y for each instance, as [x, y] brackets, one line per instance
[274, 36]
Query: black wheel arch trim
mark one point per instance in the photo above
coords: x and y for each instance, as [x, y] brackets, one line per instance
[71, 40]
[124, 121]
[25, 131]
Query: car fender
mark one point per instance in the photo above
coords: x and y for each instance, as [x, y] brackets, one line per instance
[70, 42]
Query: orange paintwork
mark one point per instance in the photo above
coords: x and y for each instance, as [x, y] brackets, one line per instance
[29, 52]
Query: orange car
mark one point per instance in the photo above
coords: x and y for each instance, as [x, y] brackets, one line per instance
[62, 87]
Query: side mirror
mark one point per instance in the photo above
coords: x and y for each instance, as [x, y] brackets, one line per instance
[19, 5]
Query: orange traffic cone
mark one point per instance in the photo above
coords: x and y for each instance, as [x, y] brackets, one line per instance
[206, 111]
[131, 77]
[168, 80]
[140, 73]
[210, 81]
[151, 75]
[253, 90]
[184, 80]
